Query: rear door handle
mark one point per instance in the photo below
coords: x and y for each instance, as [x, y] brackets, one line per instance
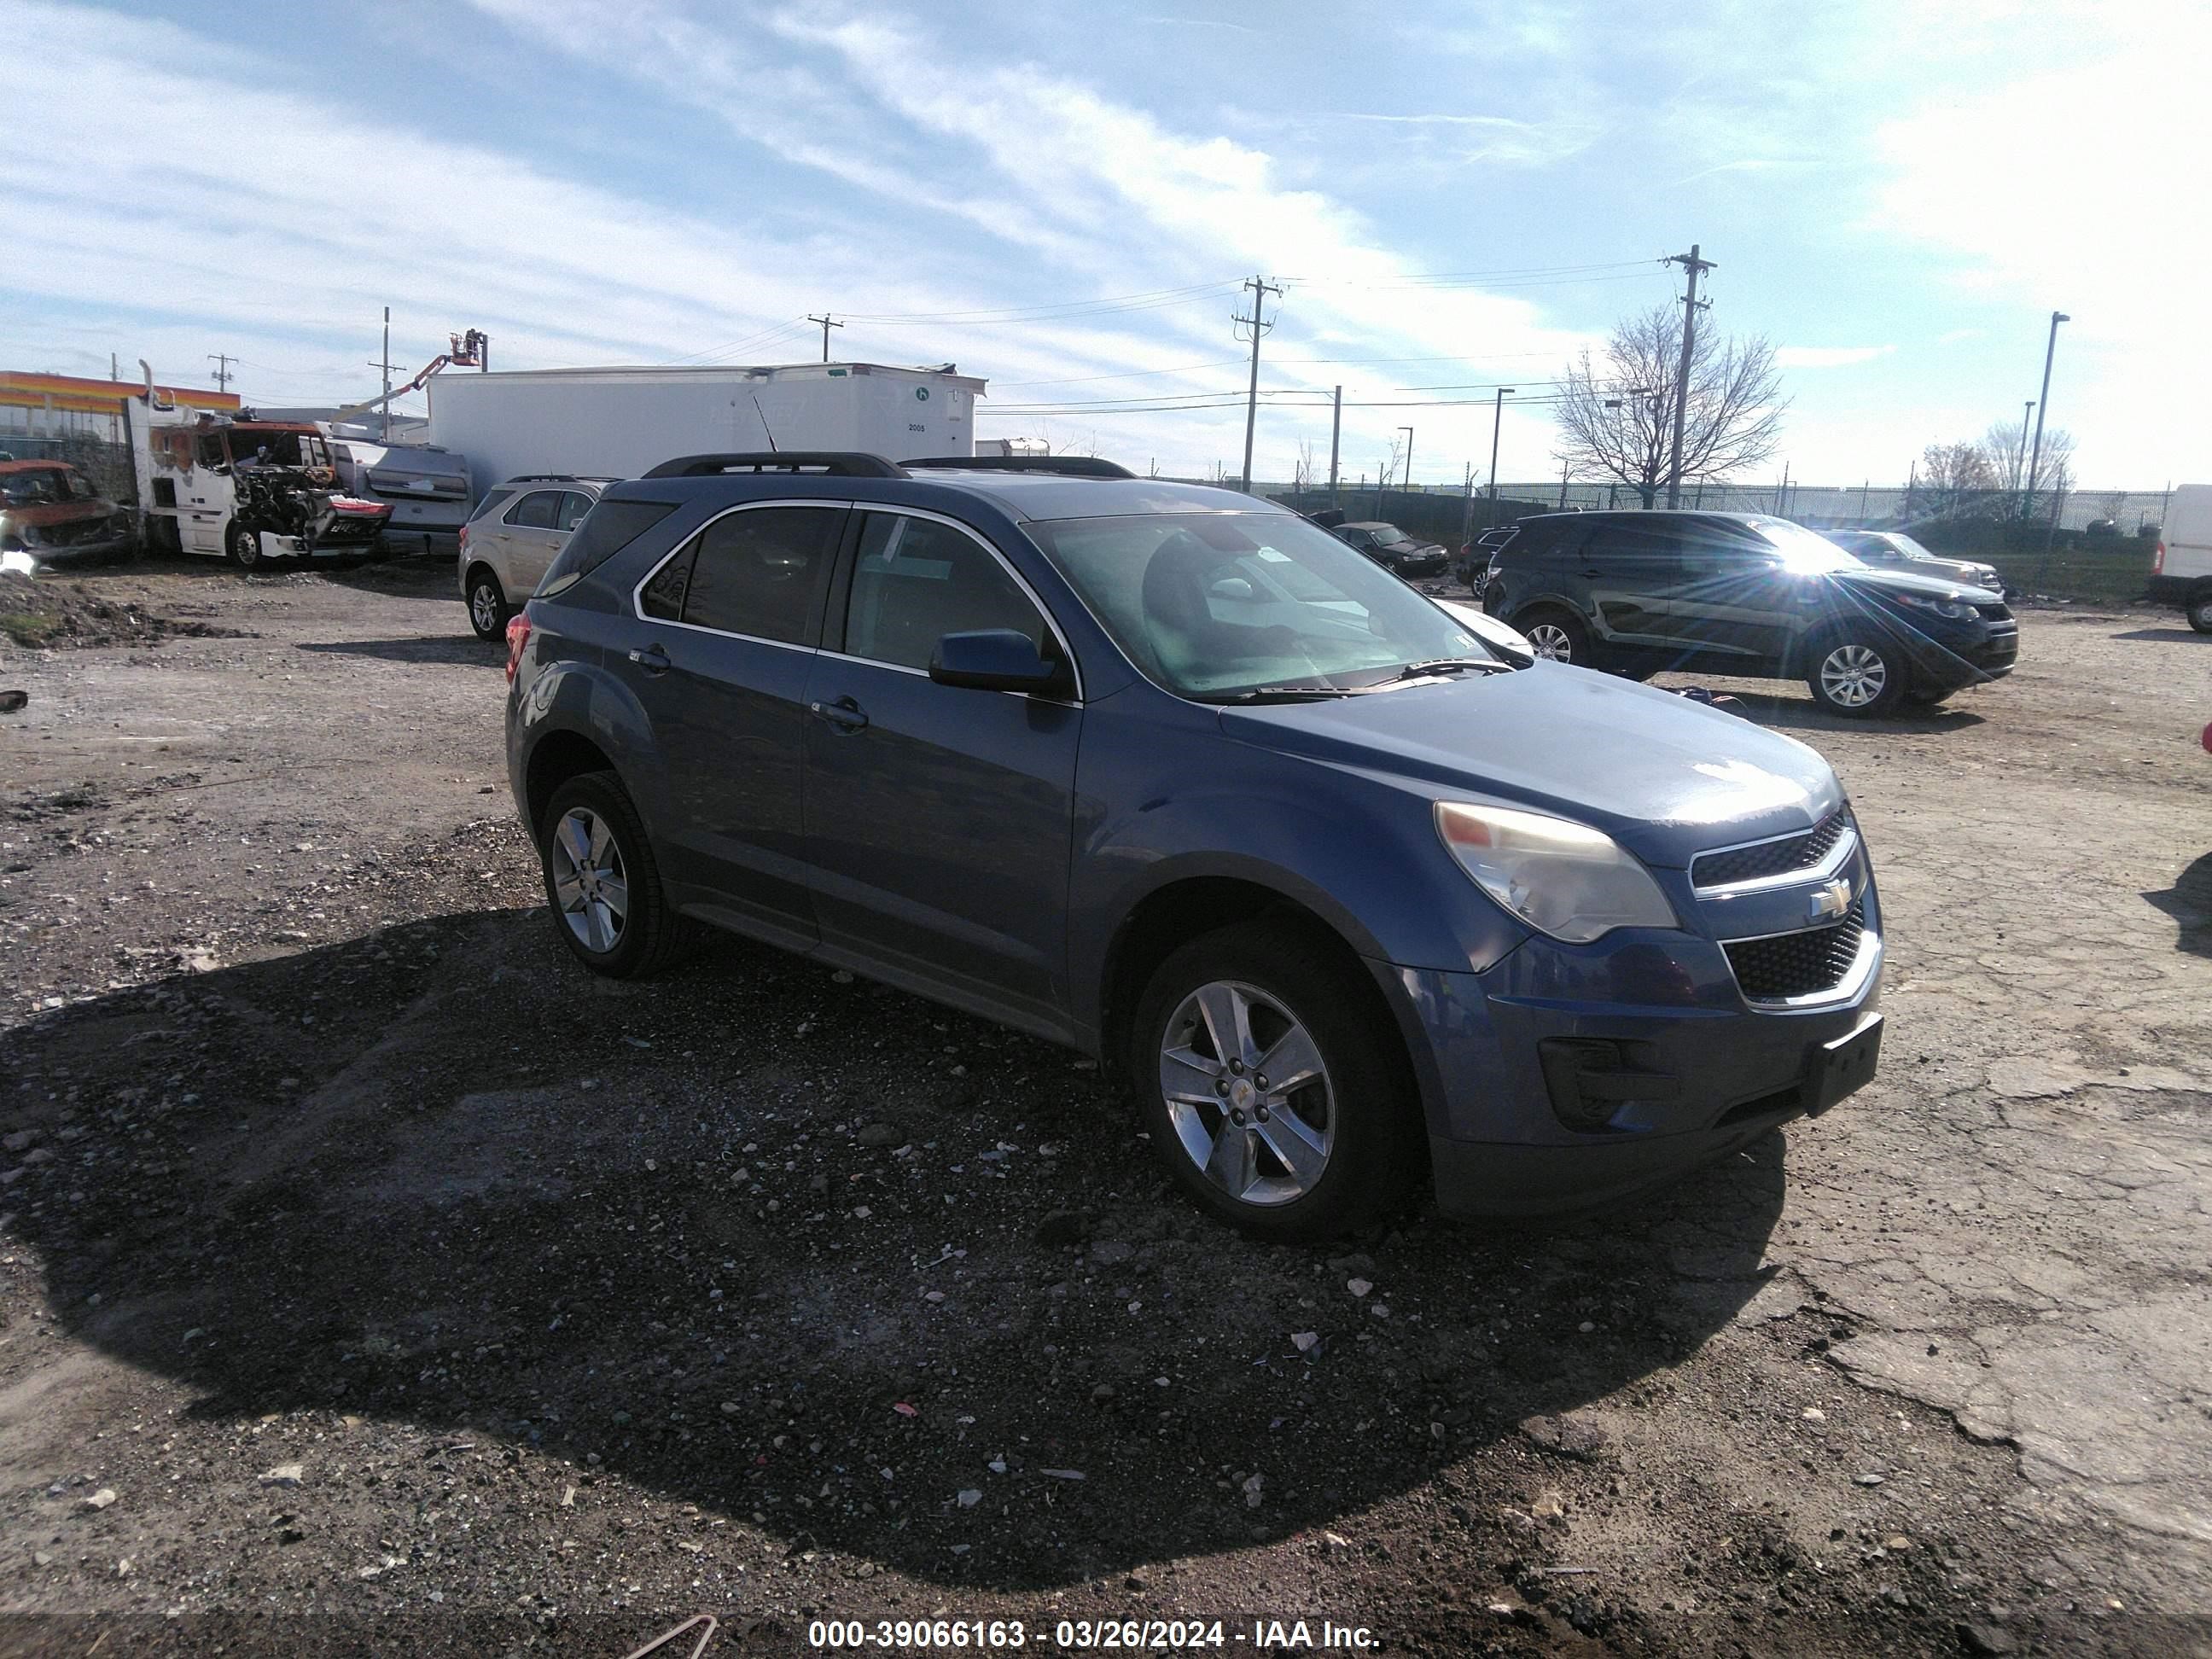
[653, 659]
[844, 714]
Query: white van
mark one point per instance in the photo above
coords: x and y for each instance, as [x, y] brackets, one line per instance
[2181, 574]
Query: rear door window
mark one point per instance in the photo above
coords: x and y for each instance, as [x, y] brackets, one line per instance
[573, 506]
[762, 571]
[535, 511]
[916, 581]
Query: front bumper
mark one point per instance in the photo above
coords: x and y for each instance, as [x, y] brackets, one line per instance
[1693, 1069]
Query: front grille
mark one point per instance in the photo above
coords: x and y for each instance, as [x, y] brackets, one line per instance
[1770, 858]
[78, 529]
[1996, 612]
[1798, 965]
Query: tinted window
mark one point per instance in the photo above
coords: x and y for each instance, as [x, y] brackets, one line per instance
[664, 595]
[535, 511]
[1643, 540]
[915, 581]
[491, 503]
[610, 527]
[761, 572]
[573, 506]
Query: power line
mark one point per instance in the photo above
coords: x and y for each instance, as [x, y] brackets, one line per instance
[827, 324]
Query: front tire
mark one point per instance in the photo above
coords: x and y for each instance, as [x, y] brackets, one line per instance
[1856, 675]
[603, 882]
[1320, 1147]
[1557, 634]
[243, 547]
[2200, 610]
[489, 610]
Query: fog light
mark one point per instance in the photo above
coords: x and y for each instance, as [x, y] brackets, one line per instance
[1591, 1078]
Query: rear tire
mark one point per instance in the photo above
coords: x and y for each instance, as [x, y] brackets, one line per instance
[1858, 675]
[603, 882]
[489, 610]
[2200, 610]
[1557, 634]
[1335, 1149]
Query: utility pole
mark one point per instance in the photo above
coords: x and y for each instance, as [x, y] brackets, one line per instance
[1563, 486]
[1466, 510]
[114, 368]
[827, 324]
[1335, 431]
[1256, 322]
[384, 411]
[2020, 460]
[222, 361]
[1496, 416]
[1697, 267]
[2043, 405]
[1408, 473]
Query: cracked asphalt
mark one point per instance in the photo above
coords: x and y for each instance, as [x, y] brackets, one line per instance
[370, 1277]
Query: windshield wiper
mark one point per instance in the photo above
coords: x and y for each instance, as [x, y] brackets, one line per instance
[1286, 693]
[1417, 670]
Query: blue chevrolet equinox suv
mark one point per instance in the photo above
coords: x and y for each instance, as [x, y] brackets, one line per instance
[1344, 892]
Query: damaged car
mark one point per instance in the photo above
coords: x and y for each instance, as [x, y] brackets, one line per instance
[1352, 894]
[243, 489]
[51, 512]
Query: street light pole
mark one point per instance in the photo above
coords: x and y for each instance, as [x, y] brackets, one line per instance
[2043, 405]
[1496, 416]
[2020, 460]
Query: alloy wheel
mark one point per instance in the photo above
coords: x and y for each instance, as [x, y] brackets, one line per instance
[589, 880]
[1552, 642]
[1853, 676]
[484, 609]
[1248, 1093]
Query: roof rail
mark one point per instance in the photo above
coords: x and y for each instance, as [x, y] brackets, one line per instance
[560, 478]
[834, 463]
[1068, 467]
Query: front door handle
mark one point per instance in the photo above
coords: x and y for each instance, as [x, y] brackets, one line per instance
[653, 659]
[844, 714]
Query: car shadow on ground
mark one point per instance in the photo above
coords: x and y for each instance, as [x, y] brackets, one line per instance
[2188, 902]
[2168, 635]
[464, 649]
[440, 1176]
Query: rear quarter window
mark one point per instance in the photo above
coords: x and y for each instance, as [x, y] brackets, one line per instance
[491, 503]
[606, 530]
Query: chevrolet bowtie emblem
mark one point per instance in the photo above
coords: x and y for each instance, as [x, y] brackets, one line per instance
[1833, 900]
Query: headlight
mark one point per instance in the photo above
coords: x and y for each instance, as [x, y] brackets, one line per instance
[1956, 610]
[1563, 879]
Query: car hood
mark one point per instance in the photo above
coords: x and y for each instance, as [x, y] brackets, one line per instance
[1667, 777]
[1900, 582]
[49, 514]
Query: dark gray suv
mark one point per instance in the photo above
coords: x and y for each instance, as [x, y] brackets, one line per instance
[1743, 593]
[1345, 894]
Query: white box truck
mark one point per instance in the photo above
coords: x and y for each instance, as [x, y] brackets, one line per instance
[2181, 571]
[623, 423]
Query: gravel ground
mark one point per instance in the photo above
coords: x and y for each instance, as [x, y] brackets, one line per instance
[371, 1278]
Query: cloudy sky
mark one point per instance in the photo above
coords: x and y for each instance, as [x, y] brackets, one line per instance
[1064, 198]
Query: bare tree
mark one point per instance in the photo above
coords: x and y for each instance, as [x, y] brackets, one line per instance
[1958, 481]
[1302, 470]
[1617, 419]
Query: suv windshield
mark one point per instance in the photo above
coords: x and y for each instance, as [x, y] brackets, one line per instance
[1215, 604]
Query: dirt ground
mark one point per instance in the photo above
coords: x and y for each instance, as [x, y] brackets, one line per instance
[372, 1279]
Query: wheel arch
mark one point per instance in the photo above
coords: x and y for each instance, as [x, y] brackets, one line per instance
[557, 757]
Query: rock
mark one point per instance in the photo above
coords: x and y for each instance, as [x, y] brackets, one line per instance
[1983, 1639]
[1355, 1263]
[1104, 1391]
[1870, 1478]
[841, 977]
[731, 1408]
[40, 1558]
[1895, 1542]
[996, 1466]
[100, 1499]
[1814, 1415]
[11, 701]
[1548, 1506]
[1380, 1309]
[1569, 1434]
[1358, 1286]
[1252, 1485]
[20, 1140]
[1061, 1227]
[970, 1496]
[879, 1134]
[1305, 1341]
[1110, 1252]
[284, 1474]
[1586, 1327]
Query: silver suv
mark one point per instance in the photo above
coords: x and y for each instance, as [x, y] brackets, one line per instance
[516, 532]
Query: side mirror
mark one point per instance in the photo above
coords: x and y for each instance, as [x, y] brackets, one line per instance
[1232, 587]
[999, 660]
